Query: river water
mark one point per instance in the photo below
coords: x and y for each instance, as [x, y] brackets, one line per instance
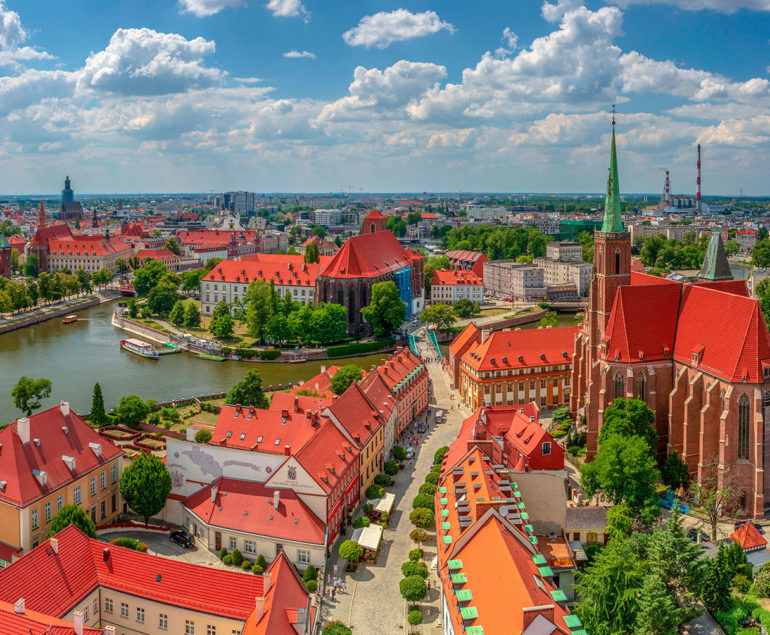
[75, 356]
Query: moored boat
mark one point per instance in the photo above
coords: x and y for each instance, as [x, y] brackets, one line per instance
[143, 349]
[69, 319]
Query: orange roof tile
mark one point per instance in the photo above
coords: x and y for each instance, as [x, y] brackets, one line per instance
[523, 349]
[748, 537]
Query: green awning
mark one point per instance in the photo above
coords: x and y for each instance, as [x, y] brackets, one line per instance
[474, 630]
[573, 621]
[455, 564]
[443, 500]
[445, 525]
[469, 613]
[442, 489]
[459, 578]
[524, 516]
[517, 494]
[538, 558]
[546, 572]
[464, 595]
[447, 540]
[533, 539]
[445, 512]
[558, 596]
[520, 505]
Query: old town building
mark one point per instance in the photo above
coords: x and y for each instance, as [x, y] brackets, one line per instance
[511, 367]
[697, 353]
[91, 253]
[407, 378]
[447, 287]
[5, 257]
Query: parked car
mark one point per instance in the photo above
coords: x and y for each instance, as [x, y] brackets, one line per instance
[692, 535]
[409, 453]
[182, 537]
[420, 428]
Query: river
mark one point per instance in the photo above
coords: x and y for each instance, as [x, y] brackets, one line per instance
[75, 356]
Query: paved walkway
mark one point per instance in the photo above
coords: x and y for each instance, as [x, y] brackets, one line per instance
[373, 603]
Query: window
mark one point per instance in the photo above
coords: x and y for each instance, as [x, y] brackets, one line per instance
[743, 427]
[103, 480]
[108, 605]
[163, 622]
[617, 261]
[641, 387]
[233, 543]
[114, 500]
[546, 448]
[35, 522]
[619, 387]
[93, 513]
[59, 503]
[249, 546]
[85, 614]
[103, 509]
[189, 627]
[47, 509]
[93, 486]
[76, 495]
[96, 605]
[140, 615]
[591, 538]
[303, 557]
[113, 474]
[124, 610]
[211, 630]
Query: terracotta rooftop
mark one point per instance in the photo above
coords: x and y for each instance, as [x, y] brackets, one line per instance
[748, 537]
[368, 256]
[455, 277]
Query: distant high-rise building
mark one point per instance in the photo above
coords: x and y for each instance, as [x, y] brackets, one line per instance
[67, 194]
[242, 203]
[70, 210]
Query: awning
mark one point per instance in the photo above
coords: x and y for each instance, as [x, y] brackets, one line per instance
[370, 537]
[385, 504]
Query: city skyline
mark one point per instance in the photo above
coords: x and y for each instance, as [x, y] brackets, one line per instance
[283, 96]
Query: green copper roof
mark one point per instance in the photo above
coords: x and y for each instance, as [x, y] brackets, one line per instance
[3, 242]
[464, 595]
[612, 221]
[715, 265]
[469, 613]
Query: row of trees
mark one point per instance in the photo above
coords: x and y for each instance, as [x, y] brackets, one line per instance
[498, 243]
[659, 253]
[443, 316]
[48, 288]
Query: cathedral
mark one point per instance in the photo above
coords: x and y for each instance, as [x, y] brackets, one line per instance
[697, 353]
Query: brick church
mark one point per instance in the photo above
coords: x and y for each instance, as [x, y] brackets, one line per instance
[697, 353]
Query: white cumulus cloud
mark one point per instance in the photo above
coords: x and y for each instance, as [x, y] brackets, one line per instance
[205, 8]
[299, 54]
[12, 36]
[145, 62]
[384, 28]
[287, 8]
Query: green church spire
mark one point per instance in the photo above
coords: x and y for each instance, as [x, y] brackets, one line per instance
[612, 221]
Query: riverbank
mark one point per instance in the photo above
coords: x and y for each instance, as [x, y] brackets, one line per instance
[36, 318]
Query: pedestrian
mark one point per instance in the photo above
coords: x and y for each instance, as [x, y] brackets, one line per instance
[328, 579]
[344, 587]
[333, 590]
[335, 568]
[428, 585]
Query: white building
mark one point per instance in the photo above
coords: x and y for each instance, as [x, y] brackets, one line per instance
[447, 287]
[327, 217]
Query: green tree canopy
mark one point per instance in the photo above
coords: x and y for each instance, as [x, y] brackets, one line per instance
[335, 628]
[248, 391]
[28, 392]
[192, 316]
[328, 323]
[72, 514]
[223, 326]
[674, 472]
[760, 254]
[413, 588]
[386, 310]
[162, 297]
[439, 315]
[97, 416]
[311, 252]
[145, 485]
[350, 550]
[464, 308]
[173, 246]
[176, 317]
[147, 276]
[344, 377]
[132, 410]
[628, 417]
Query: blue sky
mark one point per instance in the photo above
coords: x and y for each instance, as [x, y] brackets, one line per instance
[307, 95]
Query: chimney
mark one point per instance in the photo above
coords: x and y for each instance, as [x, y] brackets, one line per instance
[697, 195]
[484, 335]
[531, 612]
[19, 606]
[214, 493]
[64, 406]
[296, 403]
[109, 630]
[287, 450]
[276, 498]
[22, 429]
[54, 542]
[78, 623]
[106, 554]
[323, 369]
[267, 579]
[259, 609]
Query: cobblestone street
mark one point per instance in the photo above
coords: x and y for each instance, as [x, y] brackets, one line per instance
[373, 603]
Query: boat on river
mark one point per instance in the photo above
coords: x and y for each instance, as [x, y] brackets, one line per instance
[138, 347]
[211, 358]
[69, 319]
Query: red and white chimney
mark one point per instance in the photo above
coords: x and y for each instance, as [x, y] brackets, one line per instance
[697, 195]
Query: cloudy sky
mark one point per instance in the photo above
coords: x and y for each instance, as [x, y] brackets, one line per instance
[380, 95]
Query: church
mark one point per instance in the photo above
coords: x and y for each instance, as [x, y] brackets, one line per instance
[697, 353]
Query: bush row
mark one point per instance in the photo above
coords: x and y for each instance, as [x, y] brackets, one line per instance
[357, 348]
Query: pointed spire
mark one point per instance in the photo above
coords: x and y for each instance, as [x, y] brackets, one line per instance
[715, 264]
[612, 221]
[41, 216]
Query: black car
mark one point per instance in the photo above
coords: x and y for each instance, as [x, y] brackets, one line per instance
[182, 537]
[693, 533]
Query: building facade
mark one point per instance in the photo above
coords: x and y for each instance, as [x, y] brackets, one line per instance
[407, 378]
[522, 282]
[91, 253]
[447, 287]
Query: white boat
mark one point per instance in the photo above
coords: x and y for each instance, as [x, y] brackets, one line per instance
[140, 348]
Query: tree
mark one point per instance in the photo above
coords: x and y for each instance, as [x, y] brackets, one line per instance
[261, 299]
[223, 326]
[397, 225]
[434, 263]
[192, 316]
[414, 617]
[413, 588]
[311, 252]
[628, 417]
[386, 310]
[674, 472]
[162, 297]
[203, 436]
[439, 315]
[344, 377]
[176, 317]
[328, 323]
[350, 551]
[623, 471]
[760, 254]
[248, 391]
[335, 628]
[423, 518]
[716, 582]
[620, 521]
[524, 260]
[278, 328]
[551, 318]
[711, 497]
[72, 514]
[464, 308]
[132, 410]
[28, 392]
[424, 501]
[30, 265]
[418, 535]
[84, 279]
[221, 308]
[173, 246]
[145, 485]
[148, 276]
[121, 265]
[98, 416]
[656, 612]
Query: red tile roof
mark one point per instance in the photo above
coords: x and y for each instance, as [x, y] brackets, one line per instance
[356, 414]
[282, 270]
[468, 333]
[90, 245]
[267, 431]
[321, 383]
[396, 368]
[647, 279]
[20, 462]
[156, 254]
[327, 455]
[455, 277]
[748, 537]
[523, 349]
[368, 256]
[34, 623]
[464, 255]
[51, 232]
[378, 393]
[374, 215]
[248, 507]
[216, 237]
[298, 404]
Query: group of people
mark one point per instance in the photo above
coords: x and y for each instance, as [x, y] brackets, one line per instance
[335, 584]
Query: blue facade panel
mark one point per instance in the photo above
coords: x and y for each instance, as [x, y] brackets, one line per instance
[403, 279]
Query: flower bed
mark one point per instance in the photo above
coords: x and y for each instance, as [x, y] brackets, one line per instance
[119, 433]
[150, 442]
[113, 528]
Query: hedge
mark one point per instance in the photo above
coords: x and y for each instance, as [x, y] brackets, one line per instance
[391, 468]
[311, 585]
[428, 488]
[270, 353]
[357, 348]
[228, 559]
[130, 543]
[432, 478]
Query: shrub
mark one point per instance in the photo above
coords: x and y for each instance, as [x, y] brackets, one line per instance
[361, 521]
[237, 557]
[432, 477]
[246, 565]
[261, 561]
[741, 583]
[415, 568]
[374, 491]
[413, 588]
[203, 436]
[761, 586]
[335, 628]
[423, 518]
[170, 413]
[228, 559]
[311, 573]
[154, 418]
[428, 488]
[399, 453]
[438, 456]
[414, 618]
[350, 550]
[222, 553]
[423, 500]
[418, 535]
[311, 585]
[130, 543]
[391, 468]
[383, 479]
[558, 434]
[415, 555]
[270, 353]
[256, 568]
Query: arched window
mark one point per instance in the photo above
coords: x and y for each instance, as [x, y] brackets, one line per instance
[641, 387]
[371, 228]
[742, 501]
[340, 295]
[743, 427]
[617, 261]
[620, 389]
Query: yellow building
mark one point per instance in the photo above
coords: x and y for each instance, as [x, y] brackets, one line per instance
[49, 460]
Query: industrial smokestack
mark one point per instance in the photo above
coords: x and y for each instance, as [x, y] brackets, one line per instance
[668, 189]
[697, 195]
